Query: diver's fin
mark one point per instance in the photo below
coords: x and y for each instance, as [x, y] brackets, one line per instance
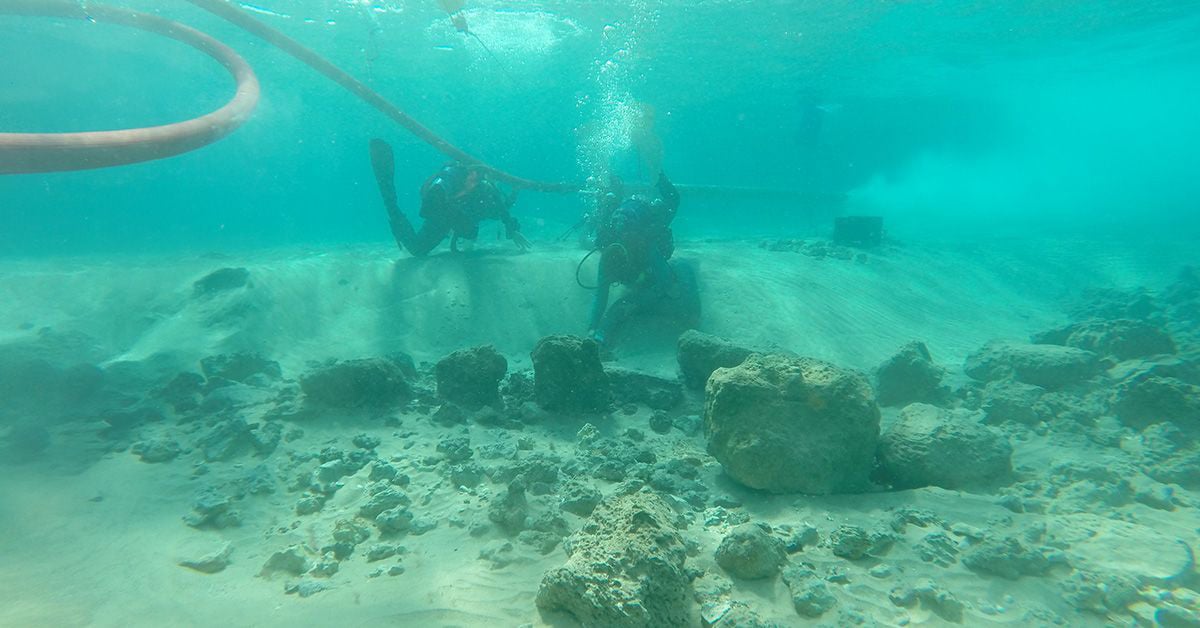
[385, 173]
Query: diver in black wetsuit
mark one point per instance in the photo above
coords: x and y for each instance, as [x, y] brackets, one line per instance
[635, 243]
[453, 203]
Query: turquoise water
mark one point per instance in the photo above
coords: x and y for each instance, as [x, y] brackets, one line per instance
[943, 117]
[223, 388]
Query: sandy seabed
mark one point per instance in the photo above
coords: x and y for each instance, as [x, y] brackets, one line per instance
[92, 534]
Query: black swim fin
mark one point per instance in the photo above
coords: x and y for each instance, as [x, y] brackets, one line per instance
[385, 174]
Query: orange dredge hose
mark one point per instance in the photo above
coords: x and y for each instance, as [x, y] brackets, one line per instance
[52, 152]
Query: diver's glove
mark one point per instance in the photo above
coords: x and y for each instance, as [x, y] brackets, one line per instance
[668, 192]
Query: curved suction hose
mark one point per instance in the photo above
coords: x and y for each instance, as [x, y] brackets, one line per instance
[240, 18]
[52, 152]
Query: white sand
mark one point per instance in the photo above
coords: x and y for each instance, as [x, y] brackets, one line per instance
[100, 547]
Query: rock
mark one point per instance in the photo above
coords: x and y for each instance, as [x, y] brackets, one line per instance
[309, 504]
[471, 377]
[363, 383]
[661, 422]
[240, 367]
[510, 510]
[1145, 399]
[350, 532]
[395, 520]
[929, 446]
[1004, 401]
[306, 588]
[366, 441]
[568, 375]
[220, 280]
[1099, 593]
[852, 542]
[380, 551]
[1134, 551]
[942, 602]
[630, 386]
[212, 510]
[455, 448]
[810, 595]
[1007, 558]
[325, 568]
[788, 425]
[689, 424]
[1182, 468]
[1049, 366]
[579, 498]
[291, 561]
[750, 552]
[382, 497]
[225, 440]
[157, 450]
[700, 354]
[625, 568]
[1123, 339]
[909, 376]
[210, 563]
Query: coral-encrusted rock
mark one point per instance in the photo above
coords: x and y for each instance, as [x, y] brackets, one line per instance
[909, 376]
[568, 375]
[929, 446]
[751, 553]
[1123, 339]
[700, 354]
[789, 425]
[1005, 401]
[365, 383]
[471, 377]
[1048, 366]
[626, 568]
[1144, 399]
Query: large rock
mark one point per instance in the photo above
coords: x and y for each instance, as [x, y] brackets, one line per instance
[1003, 401]
[471, 377]
[625, 568]
[364, 383]
[1048, 366]
[788, 425]
[929, 446]
[909, 376]
[1145, 399]
[1123, 339]
[750, 552]
[700, 354]
[568, 375]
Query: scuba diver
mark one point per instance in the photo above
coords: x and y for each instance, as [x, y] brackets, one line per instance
[634, 239]
[453, 202]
